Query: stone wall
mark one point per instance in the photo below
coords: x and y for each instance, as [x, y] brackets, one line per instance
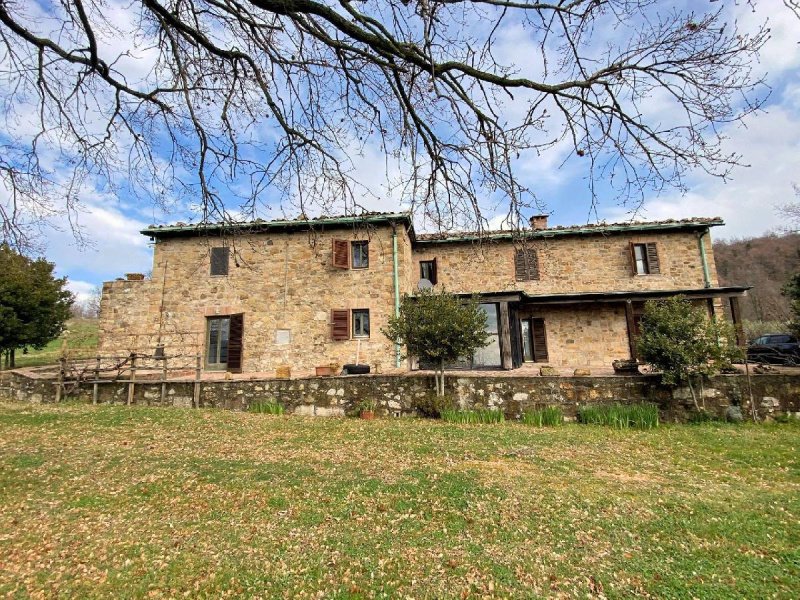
[279, 281]
[596, 263]
[338, 396]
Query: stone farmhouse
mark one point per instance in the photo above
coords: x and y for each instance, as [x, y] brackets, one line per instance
[307, 293]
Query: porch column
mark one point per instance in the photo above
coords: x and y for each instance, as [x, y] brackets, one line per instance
[631, 328]
[505, 337]
[737, 321]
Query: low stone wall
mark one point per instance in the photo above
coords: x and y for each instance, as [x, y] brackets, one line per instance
[773, 394]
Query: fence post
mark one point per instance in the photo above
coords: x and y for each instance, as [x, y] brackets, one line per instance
[163, 379]
[132, 381]
[60, 384]
[96, 379]
[197, 382]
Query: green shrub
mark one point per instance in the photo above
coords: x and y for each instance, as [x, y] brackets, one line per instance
[550, 416]
[431, 406]
[267, 407]
[620, 416]
[703, 416]
[480, 415]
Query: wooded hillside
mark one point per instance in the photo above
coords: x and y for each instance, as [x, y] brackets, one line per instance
[764, 262]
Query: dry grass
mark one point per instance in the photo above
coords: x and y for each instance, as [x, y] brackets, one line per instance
[119, 502]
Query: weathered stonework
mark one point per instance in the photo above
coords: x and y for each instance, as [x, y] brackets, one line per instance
[773, 395]
[285, 285]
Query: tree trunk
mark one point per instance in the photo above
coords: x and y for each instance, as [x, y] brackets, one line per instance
[691, 389]
[13, 363]
[441, 377]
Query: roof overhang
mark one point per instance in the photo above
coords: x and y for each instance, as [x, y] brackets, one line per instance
[606, 297]
[280, 226]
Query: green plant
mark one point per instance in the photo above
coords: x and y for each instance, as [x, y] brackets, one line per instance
[367, 405]
[680, 340]
[267, 407]
[438, 327]
[620, 416]
[431, 405]
[472, 417]
[549, 416]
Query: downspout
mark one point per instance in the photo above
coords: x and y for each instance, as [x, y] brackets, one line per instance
[702, 244]
[396, 291]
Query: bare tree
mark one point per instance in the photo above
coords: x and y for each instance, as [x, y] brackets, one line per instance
[790, 211]
[222, 102]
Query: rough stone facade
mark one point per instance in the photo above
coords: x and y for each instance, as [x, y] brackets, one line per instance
[285, 284]
[773, 395]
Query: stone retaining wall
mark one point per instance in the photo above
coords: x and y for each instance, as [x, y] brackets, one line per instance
[338, 396]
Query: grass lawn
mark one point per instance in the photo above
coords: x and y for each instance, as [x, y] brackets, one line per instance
[132, 502]
[81, 336]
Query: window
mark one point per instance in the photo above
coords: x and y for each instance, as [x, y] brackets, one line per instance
[645, 259]
[224, 342]
[219, 260]
[534, 340]
[360, 322]
[427, 270]
[359, 254]
[526, 265]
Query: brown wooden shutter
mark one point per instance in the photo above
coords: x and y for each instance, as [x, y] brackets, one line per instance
[341, 254]
[526, 265]
[653, 265]
[434, 272]
[539, 340]
[633, 258]
[219, 260]
[235, 335]
[340, 324]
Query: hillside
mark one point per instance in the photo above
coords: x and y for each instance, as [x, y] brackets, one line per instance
[764, 262]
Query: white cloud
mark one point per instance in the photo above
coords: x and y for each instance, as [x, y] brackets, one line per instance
[83, 290]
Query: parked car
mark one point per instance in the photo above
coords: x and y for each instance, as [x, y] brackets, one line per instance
[775, 348]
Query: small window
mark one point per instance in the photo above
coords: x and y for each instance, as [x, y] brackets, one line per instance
[526, 265]
[645, 259]
[359, 253]
[360, 322]
[219, 260]
[427, 270]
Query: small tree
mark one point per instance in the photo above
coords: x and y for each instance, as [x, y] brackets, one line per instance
[681, 341]
[439, 327]
[792, 291]
[34, 306]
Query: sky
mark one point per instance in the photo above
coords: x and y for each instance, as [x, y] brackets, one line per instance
[768, 141]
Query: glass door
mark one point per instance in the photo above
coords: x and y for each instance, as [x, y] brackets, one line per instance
[217, 338]
[527, 340]
[490, 355]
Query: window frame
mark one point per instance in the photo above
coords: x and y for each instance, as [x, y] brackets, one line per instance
[356, 315]
[217, 366]
[359, 248]
[227, 262]
[645, 261]
[432, 267]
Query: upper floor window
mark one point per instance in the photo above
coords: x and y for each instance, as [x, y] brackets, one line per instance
[427, 270]
[645, 259]
[359, 255]
[350, 255]
[526, 265]
[360, 322]
[219, 260]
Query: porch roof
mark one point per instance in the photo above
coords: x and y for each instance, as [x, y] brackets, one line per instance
[616, 296]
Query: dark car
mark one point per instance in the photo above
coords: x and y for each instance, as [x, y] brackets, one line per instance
[775, 348]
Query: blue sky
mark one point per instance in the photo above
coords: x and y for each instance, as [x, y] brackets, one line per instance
[768, 141]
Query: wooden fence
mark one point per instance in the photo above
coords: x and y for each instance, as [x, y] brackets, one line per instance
[130, 369]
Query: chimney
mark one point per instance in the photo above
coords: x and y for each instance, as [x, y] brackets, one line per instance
[539, 222]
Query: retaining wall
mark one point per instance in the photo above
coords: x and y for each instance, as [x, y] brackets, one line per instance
[773, 394]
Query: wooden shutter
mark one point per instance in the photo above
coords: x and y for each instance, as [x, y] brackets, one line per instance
[235, 335]
[633, 258]
[434, 274]
[340, 324]
[526, 265]
[341, 254]
[219, 260]
[653, 265]
[539, 340]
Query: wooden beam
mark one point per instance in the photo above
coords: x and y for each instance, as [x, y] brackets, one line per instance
[631, 329]
[505, 338]
[736, 317]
